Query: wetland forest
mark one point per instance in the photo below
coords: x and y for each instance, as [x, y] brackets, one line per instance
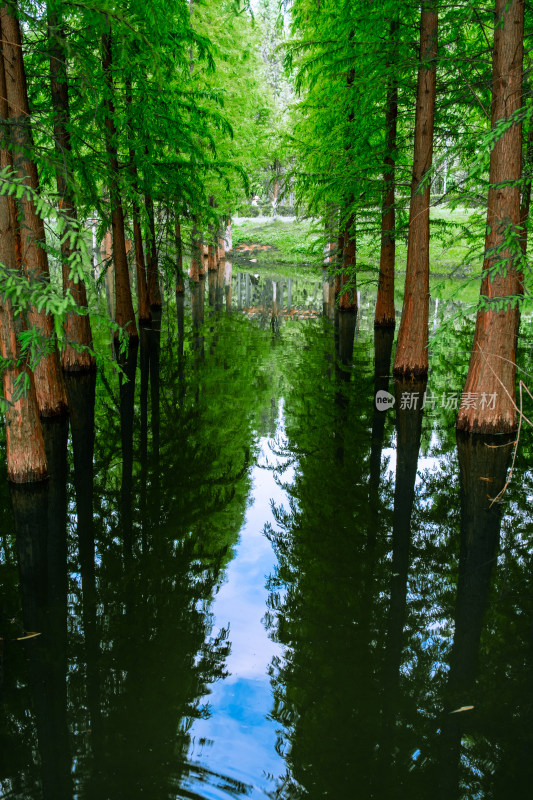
[267, 400]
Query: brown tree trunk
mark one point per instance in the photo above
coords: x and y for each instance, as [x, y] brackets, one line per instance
[49, 385]
[411, 351]
[26, 458]
[180, 283]
[106, 250]
[154, 292]
[124, 314]
[77, 326]
[385, 313]
[490, 382]
[347, 298]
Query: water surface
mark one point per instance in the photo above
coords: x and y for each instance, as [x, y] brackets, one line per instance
[248, 580]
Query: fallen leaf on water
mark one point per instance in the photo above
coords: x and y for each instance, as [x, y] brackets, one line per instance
[463, 708]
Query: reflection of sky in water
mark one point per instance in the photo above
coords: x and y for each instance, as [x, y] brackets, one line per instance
[239, 740]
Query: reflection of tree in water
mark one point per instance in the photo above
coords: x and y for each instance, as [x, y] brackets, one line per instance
[142, 649]
[363, 691]
[158, 654]
[144, 570]
[327, 601]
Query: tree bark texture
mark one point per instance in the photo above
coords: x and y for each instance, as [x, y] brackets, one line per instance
[492, 369]
[385, 316]
[124, 315]
[77, 326]
[26, 457]
[49, 385]
[347, 297]
[411, 351]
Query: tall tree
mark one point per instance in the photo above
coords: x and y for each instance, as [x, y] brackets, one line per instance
[124, 314]
[50, 388]
[385, 313]
[492, 369]
[411, 352]
[77, 355]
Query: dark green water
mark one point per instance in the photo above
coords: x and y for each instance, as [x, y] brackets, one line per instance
[250, 581]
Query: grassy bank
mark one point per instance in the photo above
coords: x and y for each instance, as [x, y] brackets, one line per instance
[295, 248]
[455, 249]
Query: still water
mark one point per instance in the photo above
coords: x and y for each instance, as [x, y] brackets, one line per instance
[247, 580]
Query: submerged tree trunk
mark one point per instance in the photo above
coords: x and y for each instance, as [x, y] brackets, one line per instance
[49, 385]
[411, 352]
[77, 326]
[124, 314]
[385, 313]
[490, 383]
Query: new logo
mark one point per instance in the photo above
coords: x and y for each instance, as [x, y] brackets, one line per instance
[384, 400]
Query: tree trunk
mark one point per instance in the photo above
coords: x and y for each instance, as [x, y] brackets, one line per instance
[77, 326]
[154, 292]
[221, 248]
[26, 458]
[124, 314]
[228, 237]
[143, 307]
[106, 251]
[180, 284]
[411, 352]
[211, 246]
[145, 315]
[196, 255]
[492, 369]
[385, 313]
[49, 385]
[347, 299]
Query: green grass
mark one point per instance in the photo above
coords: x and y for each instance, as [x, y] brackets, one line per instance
[454, 235]
[456, 252]
[292, 242]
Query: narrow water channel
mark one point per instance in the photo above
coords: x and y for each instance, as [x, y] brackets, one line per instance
[246, 577]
